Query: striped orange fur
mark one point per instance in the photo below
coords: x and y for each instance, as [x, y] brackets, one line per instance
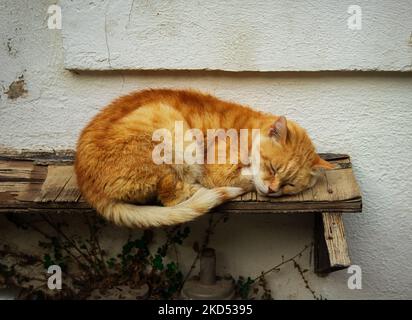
[117, 176]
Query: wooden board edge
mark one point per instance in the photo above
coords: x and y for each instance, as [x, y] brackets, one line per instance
[68, 155]
[331, 249]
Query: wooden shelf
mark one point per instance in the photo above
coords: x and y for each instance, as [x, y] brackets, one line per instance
[45, 182]
[32, 182]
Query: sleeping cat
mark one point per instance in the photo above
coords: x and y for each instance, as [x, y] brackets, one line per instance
[117, 175]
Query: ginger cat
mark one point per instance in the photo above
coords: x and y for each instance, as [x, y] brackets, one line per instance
[117, 175]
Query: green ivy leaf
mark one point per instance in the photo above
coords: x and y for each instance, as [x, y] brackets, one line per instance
[158, 262]
[111, 263]
[171, 267]
[47, 261]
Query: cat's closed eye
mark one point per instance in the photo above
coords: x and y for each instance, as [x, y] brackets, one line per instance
[272, 169]
[287, 185]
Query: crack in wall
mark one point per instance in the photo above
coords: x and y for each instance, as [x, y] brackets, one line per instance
[106, 39]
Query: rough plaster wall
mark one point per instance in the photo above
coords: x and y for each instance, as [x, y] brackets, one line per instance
[365, 115]
[252, 35]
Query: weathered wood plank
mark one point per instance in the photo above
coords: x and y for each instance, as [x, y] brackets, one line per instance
[25, 185]
[43, 157]
[57, 178]
[331, 249]
[16, 171]
[335, 238]
[70, 192]
[10, 191]
[68, 155]
[341, 184]
[230, 207]
[20, 181]
[352, 205]
[33, 189]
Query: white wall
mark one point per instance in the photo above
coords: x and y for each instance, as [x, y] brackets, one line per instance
[364, 114]
[252, 35]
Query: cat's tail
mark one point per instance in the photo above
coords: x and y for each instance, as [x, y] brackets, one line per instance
[202, 201]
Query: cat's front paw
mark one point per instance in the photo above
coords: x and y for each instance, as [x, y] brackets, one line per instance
[227, 193]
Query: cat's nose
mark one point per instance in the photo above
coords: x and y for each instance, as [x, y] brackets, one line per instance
[270, 190]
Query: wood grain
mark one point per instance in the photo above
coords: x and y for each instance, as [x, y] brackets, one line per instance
[56, 181]
[334, 233]
[33, 181]
[331, 249]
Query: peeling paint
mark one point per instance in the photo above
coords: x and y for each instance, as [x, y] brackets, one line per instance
[17, 89]
[10, 48]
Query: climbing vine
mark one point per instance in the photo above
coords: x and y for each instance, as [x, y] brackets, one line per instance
[143, 269]
[91, 270]
[246, 287]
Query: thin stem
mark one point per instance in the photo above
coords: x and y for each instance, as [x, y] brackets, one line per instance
[44, 234]
[73, 243]
[281, 264]
[94, 240]
[307, 286]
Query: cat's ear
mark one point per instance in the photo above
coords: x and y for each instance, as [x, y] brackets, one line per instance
[279, 130]
[319, 163]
